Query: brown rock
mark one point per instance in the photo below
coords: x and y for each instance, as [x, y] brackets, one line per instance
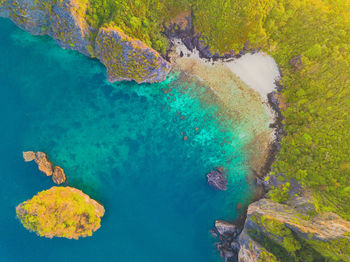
[58, 176]
[225, 228]
[296, 63]
[28, 156]
[43, 162]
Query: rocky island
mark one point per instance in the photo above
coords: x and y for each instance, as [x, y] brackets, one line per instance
[61, 212]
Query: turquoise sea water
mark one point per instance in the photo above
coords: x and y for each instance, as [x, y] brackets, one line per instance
[141, 150]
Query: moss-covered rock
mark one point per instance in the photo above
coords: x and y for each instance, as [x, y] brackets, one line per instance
[66, 21]
[127, 58]
[290, 235]
[61, 212]
[30, 15]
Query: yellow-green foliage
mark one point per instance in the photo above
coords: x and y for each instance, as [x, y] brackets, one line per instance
[266, 256]
[279, 194]
[279, 233]
[336, 250]
[141, 19]
[288, 246]
[59, 212]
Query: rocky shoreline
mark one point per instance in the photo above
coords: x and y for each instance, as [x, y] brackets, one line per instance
[231, 241]
[125, 58]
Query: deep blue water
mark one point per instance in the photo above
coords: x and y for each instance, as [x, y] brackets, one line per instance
[124, 144]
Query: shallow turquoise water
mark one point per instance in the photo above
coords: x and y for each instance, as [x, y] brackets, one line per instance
[141, 150]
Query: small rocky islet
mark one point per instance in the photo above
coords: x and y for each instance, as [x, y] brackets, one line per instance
[61, 212]
[46, 166]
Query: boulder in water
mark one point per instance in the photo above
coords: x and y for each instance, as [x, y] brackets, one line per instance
[217, 180]
[28, 156]
[225, 228]
[43, 162]
[58, 176]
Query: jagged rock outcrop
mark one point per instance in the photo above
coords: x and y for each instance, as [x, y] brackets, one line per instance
[227, 245]
[46, 166]
[58, 176]
[129, 59]
[273, 226]
[225, 228]
[217, 180]
[74, 214]
[41, 159]
[124, 57]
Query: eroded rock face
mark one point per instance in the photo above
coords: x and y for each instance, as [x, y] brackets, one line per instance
[228, 245]
[69, 27]
[32, 16]
[124, 57]
[217, 180]
[58, 176]
[225, 228]
[288, 228]
[75, 214]
[129, 59]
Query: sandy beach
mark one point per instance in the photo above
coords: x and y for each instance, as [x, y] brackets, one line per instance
[241, 87]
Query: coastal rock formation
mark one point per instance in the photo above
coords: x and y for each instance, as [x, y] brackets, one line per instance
[228, 245]
[275, 226]
[46, 166]
[43, 162]
[28, 156]
[41, 159]
[217, 180]
[58, 176]
[61, 212]
[225, 228]
[65, 21]
[129, 59]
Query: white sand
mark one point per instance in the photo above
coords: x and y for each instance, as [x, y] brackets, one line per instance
[259, 71]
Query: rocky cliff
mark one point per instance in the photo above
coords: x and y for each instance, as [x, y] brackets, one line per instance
[124, 57]
[293, 232]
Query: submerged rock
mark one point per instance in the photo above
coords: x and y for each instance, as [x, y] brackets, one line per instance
[74, 214]
[58, 176]
[217, 179]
